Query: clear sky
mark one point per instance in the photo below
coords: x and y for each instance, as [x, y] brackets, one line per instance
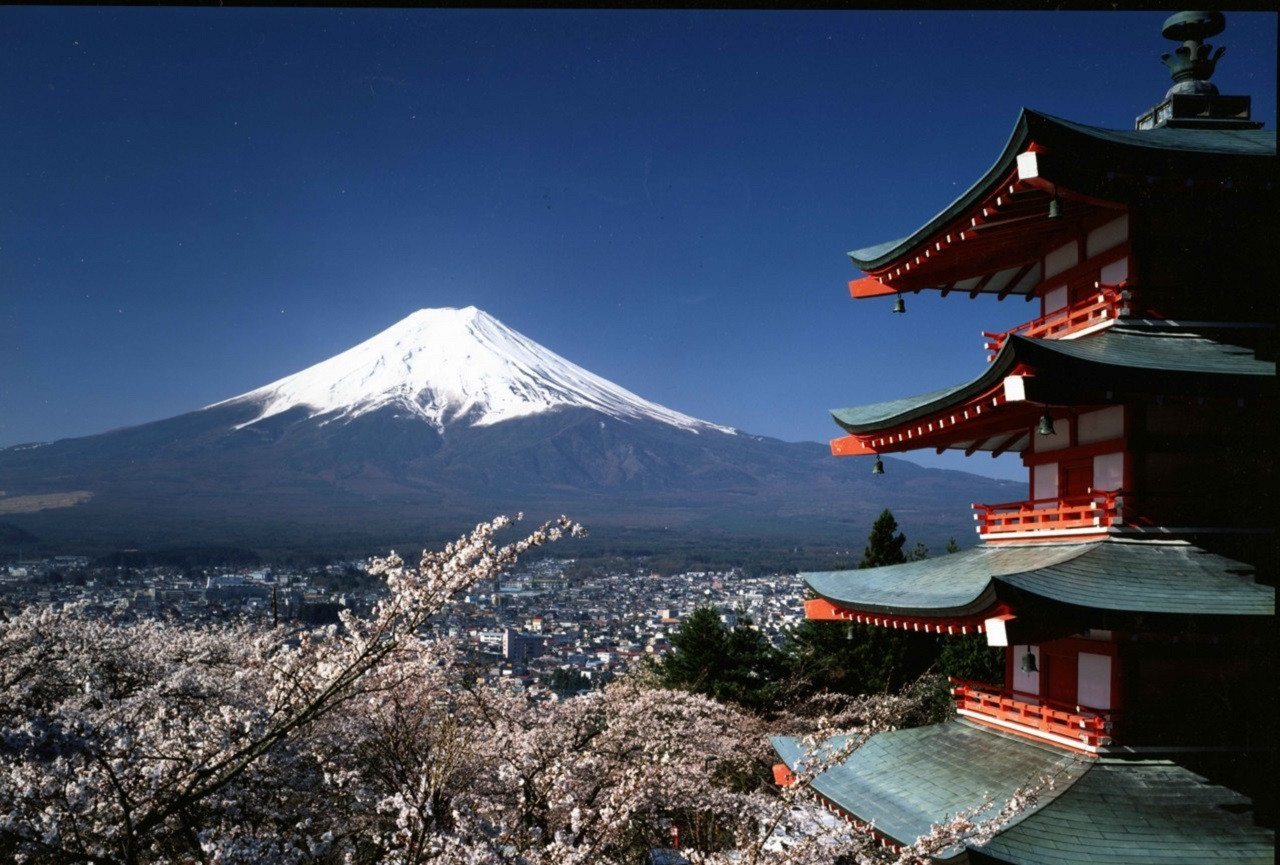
[197, 201]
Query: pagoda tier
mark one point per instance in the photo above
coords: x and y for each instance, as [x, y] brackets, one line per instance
[1063, 193]
[1095, 618]
[1110, 584]
[997, 410]
[1132, 429]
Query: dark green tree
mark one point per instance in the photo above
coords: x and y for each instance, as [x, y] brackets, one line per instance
[859, 659]
[884, 544]
[567, 682]
[846, 658]
[732, 665]
[969, 657]
[699, 650]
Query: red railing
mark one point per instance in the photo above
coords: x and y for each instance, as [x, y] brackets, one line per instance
[1100, 509]
[1091, 728]
[1111, 302]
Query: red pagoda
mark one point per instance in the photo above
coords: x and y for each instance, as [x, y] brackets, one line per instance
[1133, 589]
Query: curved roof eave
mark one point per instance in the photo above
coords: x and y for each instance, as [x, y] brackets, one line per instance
[1129, 356]
[1045, 129]
[907, 781]
[874, 417]
[872, 257]
[1136, 576]
[958, 585]
[1151, 577]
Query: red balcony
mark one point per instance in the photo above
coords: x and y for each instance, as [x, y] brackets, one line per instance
[1099, 510]
[1072, 726]
[1111, 302]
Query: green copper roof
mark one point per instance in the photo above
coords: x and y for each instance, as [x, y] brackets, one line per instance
[1138, 812]
[1150, 577]
[877, 416]
[907, 780]
[1162, 577]
[1217, 142]
[1156, 357]
[1163, 349]
[958, 584]
[1111, 811]
[1228, 148]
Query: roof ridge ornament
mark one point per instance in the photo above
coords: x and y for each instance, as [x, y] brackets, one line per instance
[1193, 63]
[1193, 102]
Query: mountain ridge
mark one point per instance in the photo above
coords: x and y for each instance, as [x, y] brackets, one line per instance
[347, 455]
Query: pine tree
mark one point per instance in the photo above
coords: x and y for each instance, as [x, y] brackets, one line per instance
[699, 652]
[846, 658]
[734, 665]
[883, 546]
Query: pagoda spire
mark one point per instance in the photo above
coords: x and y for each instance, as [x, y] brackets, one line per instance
[1193, 102]
[1192, 65]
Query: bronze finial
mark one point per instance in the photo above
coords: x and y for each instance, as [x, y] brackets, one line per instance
[1192, 64]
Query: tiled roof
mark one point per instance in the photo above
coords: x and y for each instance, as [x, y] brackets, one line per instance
[953, 585]
[1225, 147]
[1115, 574]
[1138, 812]
[1108, 811]
[1167, 349]
[907, 780]
[1150, 577]
[1168, 359]
[1222, 142]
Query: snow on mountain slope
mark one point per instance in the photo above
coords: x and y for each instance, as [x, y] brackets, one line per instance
[447, 365]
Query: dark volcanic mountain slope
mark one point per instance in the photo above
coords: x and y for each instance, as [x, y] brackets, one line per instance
[381, 478]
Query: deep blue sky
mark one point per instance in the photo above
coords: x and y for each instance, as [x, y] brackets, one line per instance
[196, 201]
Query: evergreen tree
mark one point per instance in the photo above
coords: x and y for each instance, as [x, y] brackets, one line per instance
[699, 650]
[969, 657]
[884, 547]
[567, 682]
[733, 665]
[845, 658]
[861, 659]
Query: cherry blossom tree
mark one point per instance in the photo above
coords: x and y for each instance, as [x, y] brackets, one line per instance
[150, 741]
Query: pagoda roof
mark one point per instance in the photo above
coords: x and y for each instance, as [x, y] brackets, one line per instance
[906, 780]
[1107, 154]
[1105, 810]
[1143, 357]
[1138, 812]
[1161, 577]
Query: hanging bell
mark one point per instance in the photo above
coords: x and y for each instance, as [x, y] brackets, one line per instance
[877, 467]
[1055, 208]
[899, 305]
[1029, 662]
[1046, 425]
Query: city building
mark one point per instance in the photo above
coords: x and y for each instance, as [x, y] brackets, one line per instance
[519, 649]
[1133, 589]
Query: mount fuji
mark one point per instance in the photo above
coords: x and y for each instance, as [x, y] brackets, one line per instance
[447, 366]
[444, 419]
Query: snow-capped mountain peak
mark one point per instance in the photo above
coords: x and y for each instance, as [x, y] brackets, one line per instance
[449, 365]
